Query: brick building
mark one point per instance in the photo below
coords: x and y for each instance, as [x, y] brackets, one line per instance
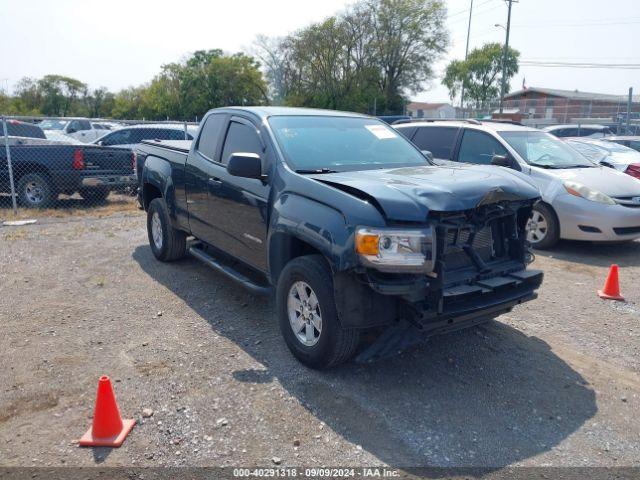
[568, 106]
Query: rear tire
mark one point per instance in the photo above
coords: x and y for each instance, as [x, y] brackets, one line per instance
[35, 191]
[543, 228]
[167, 243]
[305, 301]
[94, 195]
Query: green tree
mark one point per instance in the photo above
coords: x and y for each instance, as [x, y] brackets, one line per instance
[409, 36]
[208, 79]
[374, 52]
[481, 74]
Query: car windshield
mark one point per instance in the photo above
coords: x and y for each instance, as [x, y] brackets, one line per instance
[543, 150]
[591, 151]
[324, 144]
[52, 124]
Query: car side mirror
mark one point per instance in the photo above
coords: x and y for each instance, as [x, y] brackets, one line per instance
[99, 142]
[427, 154]
[504, 161]
[71, 130]
[247, 165]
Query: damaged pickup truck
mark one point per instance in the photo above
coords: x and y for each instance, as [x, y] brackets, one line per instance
[354, 229]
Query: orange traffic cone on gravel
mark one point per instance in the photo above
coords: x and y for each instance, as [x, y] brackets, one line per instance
[108, 429]
[611, 289]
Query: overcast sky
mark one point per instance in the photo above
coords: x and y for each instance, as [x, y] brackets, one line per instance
[118, 43]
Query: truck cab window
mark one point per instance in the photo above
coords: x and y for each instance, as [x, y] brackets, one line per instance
[210, 136]
[241, 138]
[478, 147]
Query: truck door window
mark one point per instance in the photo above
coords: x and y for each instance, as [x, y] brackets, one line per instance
[438, 140]
[241, 139]
[479, 147]
[210, 136]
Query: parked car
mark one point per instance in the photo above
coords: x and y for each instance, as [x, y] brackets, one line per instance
[79, 128]
[130, 137]
[352, 225]
[42, 171]
[609, 154]
[596, 131]
[580, 199]
[630, 141]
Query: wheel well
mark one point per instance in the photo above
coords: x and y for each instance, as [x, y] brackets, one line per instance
[149, 192]
[284, 248]
[555, 215]
[27, 168]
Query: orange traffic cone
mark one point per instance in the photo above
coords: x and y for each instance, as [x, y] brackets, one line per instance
[108, 429]
[611, 289]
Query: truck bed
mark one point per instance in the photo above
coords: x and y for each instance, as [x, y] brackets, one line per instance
[176, 145]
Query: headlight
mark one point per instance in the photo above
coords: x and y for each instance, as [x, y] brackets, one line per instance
[579, 190]
[396, 250]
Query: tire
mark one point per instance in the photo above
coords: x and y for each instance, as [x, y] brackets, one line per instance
[94, 195]
[169, 244]
[548, 236]
[328, 346]
[35, 191]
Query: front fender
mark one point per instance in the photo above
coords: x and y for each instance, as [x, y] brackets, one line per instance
[322, 227]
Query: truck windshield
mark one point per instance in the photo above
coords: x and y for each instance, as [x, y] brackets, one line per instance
[324, 144]
[543, 150]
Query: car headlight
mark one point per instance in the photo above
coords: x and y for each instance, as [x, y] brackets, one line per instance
[579, 190]
[396, 250]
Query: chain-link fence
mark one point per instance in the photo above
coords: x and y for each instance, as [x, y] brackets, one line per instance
[63, 165]
[617, 114]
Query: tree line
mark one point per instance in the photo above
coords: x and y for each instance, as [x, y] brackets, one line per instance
[368, 58]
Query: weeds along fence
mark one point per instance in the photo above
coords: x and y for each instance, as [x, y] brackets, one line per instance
[65, 166]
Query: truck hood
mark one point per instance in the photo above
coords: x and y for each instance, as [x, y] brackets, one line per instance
[603, 179]
[409, 193]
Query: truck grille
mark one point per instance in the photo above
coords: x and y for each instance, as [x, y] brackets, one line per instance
[455, 257]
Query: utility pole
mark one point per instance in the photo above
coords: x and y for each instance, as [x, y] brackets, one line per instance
[629, 102]
[504, 58]
[466, 53]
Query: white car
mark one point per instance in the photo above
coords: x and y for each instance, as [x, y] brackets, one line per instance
[609, 154]
[576, 130]
[581, 200]
[78, 128]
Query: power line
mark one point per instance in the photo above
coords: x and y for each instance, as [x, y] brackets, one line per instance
[540, 63]
[467, 9]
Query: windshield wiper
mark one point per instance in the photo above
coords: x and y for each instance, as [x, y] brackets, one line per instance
[544, 165]
[316, 170]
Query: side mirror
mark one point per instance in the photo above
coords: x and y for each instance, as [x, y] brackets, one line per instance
[504, 161]
[428, 155]
[99, 142]
[247, 165]
[71, 130]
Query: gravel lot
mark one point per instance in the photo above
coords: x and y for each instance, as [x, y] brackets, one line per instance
[554, 383]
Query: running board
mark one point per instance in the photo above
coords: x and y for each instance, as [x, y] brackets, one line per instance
[229, 272]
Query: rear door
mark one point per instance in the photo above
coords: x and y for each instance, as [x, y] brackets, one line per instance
[440, 141]
[238, 206]
[201, 173]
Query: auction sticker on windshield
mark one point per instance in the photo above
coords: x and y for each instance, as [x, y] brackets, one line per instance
[381, 131]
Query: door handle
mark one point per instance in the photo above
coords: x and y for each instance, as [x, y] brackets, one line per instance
[215, 181]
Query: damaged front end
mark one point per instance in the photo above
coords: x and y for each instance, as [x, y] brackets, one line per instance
[478, 271]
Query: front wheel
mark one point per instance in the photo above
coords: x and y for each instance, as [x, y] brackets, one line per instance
[543, 228]
[308, 317]
[167, 243]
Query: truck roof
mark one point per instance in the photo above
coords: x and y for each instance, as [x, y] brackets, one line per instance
[265, 112]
